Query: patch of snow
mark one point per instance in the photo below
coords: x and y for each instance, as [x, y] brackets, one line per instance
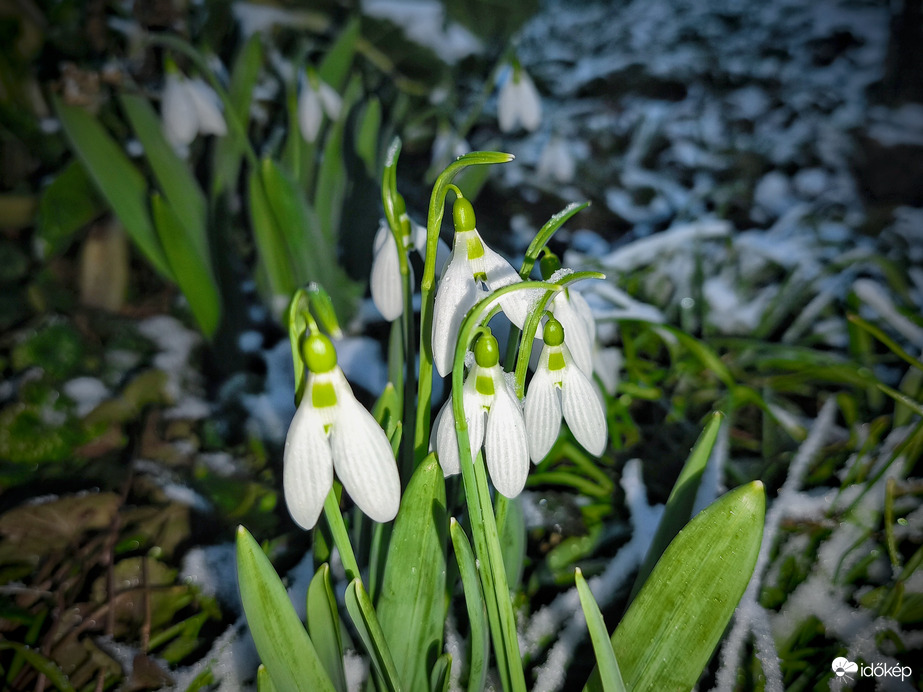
[424, 22]
[87, 393]
[213, 570]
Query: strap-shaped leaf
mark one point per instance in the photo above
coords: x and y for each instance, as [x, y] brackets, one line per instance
[67, 205]
[608, 668]
[673, 626]
[337, 62]
[270, 241]
[479, 640]
[679, 505]
[120, 183]
[190, 270]
[411, 606]
[362, 613]
[324, 626]
[281, 639]
[439, 678]
[367, 144]
[512, 527]
[43, 665]
[173, 175]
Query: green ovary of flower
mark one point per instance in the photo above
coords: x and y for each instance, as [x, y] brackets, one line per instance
[463, 215]
[318, 353]
[487, 351]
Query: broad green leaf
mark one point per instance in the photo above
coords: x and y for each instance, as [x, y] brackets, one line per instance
[674, 624]
[679, 505]
[362, 613]
[367, 136]
[179, 186]
[228, 149]
[544, 235]
[512, 528]
[190, 270]
[311, 256]
[66, 206]
[120, 183]
[337, 62]
[280, 638]
[439, 678]
[270, 241]
[477, 609]
[608, 668]
[324, 626]
[43, 665]
[411, 606]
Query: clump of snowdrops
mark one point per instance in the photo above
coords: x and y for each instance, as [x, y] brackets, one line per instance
[395, 464]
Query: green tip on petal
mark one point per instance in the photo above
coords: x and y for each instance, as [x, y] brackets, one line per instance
[554, 333]
[463, 215]
[549, 264]
[487, 351]
[318, 353]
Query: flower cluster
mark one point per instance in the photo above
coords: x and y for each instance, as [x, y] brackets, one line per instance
[189, 107]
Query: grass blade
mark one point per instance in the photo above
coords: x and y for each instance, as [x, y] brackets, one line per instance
[609, 674]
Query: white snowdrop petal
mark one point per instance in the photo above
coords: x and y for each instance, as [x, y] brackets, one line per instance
[529, 103]
[454, 297]
[363, 460]
[208, 108]
[500, 273]
[507, 106]
[505, 447]
[307, 474]
[180, 122]
[330, 100]
[583, 410]
[474, 415]
[385, 281]
[310, 114]
[542, 412]
[446, 441]
[576, 332]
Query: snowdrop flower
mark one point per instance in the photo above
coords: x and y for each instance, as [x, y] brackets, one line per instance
[557, 163]
[519, 102]
[494, 419]
[189, 107]
[574, 313]
[558, 378]
[385, 283]
[331, 431]
[316, 99]
[471, 264]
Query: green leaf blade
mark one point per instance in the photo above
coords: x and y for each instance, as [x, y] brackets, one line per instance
[360, 609]
[324, 626]
[477, 609]
[411, 607]
[608, 667]
[281, 639]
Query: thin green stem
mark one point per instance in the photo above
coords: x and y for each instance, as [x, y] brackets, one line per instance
[340, 535]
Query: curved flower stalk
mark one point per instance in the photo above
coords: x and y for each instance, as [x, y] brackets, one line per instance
[518, 102]
[558, 380]
[385, 280]
[189, 107]
[494, 419]
[331, 431]
[470, 265]
[573, 312]
[315, 98]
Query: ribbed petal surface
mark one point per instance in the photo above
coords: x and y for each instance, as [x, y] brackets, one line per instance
[207, 108]
[529, 103]
[447, 437]
[578, 333]
[505, 447]
[363, 461]
[507, 107]
[583, 410]
[542, 412]
[307, 474]
[180, 122]
[385, 281]
[454, 297]
[500, 273]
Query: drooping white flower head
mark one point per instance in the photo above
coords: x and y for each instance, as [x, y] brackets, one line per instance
[558, 380]
[316, 98]
[574, 313]
[471, 264]
[189, 107]
[518, 102]
[557, 163]
[332, 431]
[495, 423]
[385, 281]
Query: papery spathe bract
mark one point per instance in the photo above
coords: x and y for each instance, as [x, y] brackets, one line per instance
[519, 102]
[494, 421]
[316, 98]
[558, 380]
[332, 431]
[470, 265]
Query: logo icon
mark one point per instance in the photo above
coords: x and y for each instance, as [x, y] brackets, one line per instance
[842, 666]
